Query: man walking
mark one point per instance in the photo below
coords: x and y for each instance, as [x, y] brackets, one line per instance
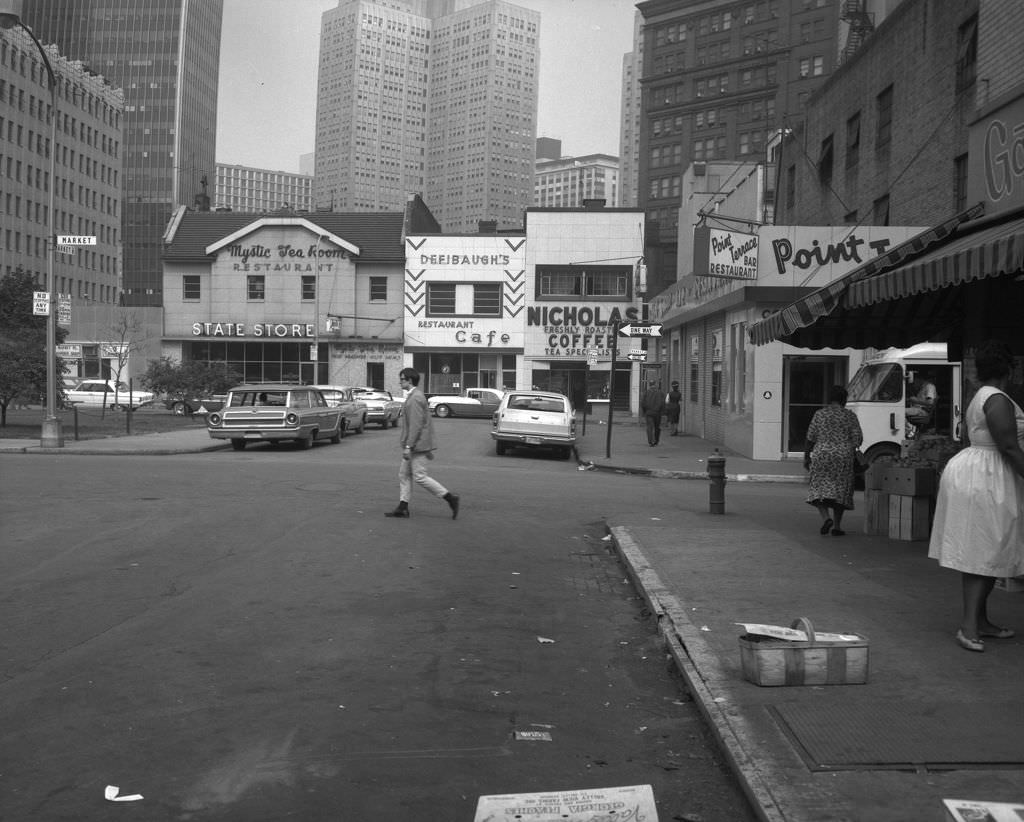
[417, 447]
[652, 406]
[673, 405]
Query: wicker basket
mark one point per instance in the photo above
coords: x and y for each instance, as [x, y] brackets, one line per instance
[768, 661]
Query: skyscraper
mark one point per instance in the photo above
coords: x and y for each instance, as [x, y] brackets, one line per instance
[165, 55]
[437, 97]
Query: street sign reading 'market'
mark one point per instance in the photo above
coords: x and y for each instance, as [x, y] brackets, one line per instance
[76, 239]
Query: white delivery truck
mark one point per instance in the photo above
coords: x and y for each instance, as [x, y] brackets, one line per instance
[884, 395]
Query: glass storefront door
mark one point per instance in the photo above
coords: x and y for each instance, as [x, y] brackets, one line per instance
[806, 383]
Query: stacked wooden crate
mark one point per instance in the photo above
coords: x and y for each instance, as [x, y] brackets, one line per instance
[900, 500]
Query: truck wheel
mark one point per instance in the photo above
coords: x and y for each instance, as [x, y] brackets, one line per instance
[443, 411]
[238, 445]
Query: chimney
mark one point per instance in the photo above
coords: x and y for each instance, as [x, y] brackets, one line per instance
[593, 205]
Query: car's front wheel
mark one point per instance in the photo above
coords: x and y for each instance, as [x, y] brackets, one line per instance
[443, 411]
[305, 443]
[499, 448]
[362, 426]
[179, 409]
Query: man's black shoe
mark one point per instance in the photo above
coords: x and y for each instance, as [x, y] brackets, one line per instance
[402, 511]
[453, 502]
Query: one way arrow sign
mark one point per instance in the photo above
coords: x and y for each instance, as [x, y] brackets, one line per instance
[630, 330]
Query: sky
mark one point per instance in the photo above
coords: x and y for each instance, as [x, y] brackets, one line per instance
[268, 74]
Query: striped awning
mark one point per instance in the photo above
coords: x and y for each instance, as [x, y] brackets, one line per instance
[990, 252]
[808, 310]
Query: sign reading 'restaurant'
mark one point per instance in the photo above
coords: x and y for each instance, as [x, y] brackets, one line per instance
[731, 255]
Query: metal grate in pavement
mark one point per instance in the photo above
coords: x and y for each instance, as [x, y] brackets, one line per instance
[943, 736]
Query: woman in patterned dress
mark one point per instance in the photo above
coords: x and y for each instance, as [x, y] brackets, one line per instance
[978, 528]
[833, 438]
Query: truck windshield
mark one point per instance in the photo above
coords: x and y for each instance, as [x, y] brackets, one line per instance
[882, 382]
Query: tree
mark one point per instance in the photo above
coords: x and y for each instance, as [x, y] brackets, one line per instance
[189, 379]
[127, 335]
[22, 342]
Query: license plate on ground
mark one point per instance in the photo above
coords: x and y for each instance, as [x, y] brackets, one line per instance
[533, 440]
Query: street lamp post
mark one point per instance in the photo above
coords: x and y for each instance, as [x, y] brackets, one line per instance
[51, 436]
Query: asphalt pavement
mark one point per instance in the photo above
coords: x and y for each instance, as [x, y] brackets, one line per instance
[932, 722]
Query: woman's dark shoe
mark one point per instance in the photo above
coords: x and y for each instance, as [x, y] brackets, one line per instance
[968, 644]
[402, 511]
[826, 526]
[838, 532]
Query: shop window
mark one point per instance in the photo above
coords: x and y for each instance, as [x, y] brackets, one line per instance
[853, 141]
[487, 299]
[607, 282]
[694, 382]
[256, 287]
[440, 299]
[309, 287]
[883, 104]
[717, 338]
[190, 288]
[738, 367]
[378, 289]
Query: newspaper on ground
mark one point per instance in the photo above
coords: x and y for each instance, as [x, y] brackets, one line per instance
[630, 802]
[795, 634]
[970, 810]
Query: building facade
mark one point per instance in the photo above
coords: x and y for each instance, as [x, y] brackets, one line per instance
[165, 56]
[419, 96]
[255, 190]
[719, 78]
[299, 298]
[534, 309]
[569, 181]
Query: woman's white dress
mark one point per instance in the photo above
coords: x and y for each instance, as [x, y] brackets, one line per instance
[979, 514]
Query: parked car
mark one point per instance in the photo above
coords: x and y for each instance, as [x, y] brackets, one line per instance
[473, 402]
[109, 393]
[181, 405]
[354, 411]
[272, 413]
[381, 406]
[534, 419]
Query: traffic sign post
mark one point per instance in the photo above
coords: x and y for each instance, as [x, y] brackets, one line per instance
[611, 390]
[650, 330]
[41, 303]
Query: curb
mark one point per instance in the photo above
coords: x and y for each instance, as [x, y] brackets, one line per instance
[661, 473]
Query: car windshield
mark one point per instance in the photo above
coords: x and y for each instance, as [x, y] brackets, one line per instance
[881, 382]
[244, 399]
[527, 402]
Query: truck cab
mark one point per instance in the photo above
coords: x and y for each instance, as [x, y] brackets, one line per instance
[881, 394]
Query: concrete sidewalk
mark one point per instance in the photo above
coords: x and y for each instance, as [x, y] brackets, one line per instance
[932, 722]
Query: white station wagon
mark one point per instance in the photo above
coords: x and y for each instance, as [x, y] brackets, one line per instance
[534, 419]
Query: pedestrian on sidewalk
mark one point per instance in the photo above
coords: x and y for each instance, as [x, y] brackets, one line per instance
[652, 406]
[673, 405]
[833, 438]
[978, 527]
[418, 447]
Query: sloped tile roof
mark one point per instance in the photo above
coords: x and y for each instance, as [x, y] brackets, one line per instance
[378, 235]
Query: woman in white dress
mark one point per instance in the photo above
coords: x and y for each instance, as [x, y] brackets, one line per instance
[979, 514]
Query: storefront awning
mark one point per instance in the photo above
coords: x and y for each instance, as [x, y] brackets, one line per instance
[991, 252]
[821, 303]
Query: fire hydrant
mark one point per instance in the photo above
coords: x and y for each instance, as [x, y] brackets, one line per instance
[716, 473]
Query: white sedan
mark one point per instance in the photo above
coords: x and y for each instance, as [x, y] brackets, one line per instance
[108, 393]
[534, 419]
[473, 402]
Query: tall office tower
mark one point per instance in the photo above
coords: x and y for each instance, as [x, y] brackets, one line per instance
[719, 78]
[437, 97]
[629, 128]
[87, 194]
[570, 181]
[165, 55]
[259, 190]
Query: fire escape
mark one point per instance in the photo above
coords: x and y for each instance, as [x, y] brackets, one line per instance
[857, 24]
